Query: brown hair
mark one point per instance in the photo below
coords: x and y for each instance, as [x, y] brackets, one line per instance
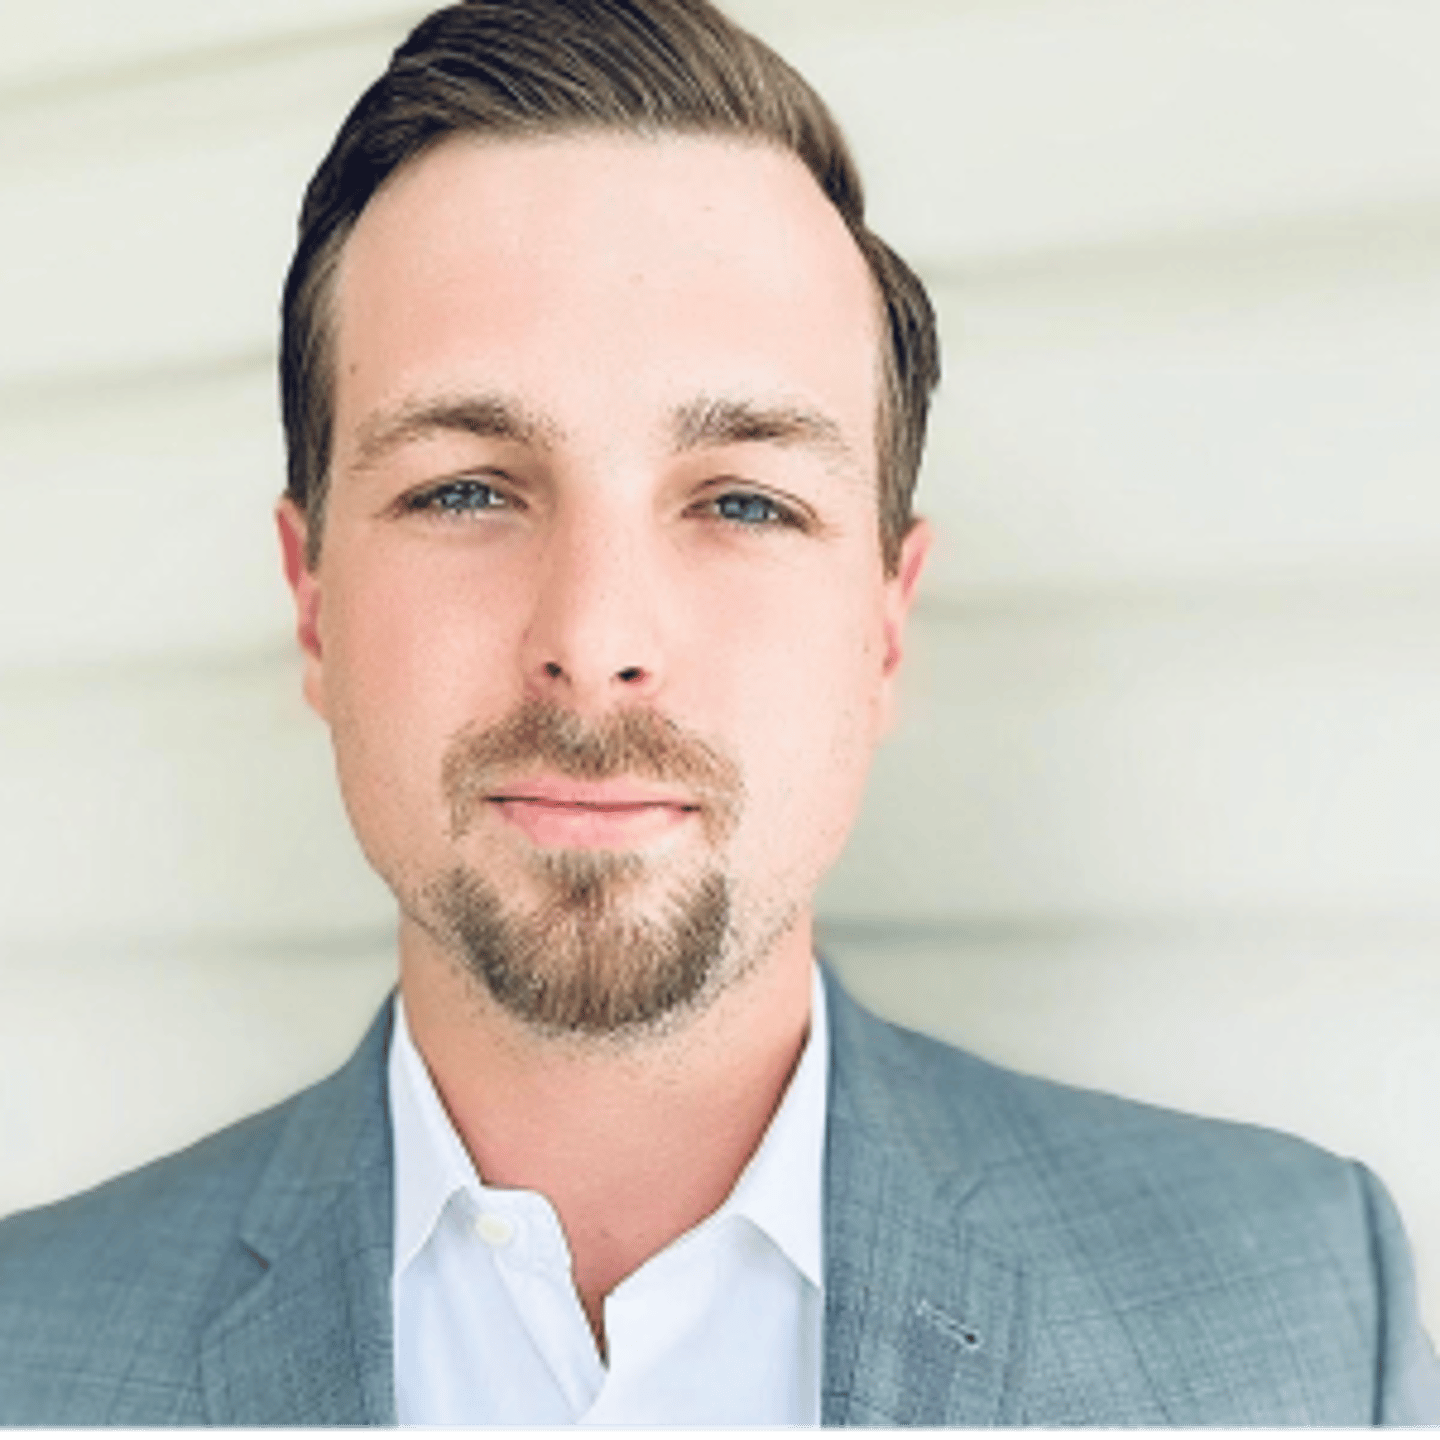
[518, 67]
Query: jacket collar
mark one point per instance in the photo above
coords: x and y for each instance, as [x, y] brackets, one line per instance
[926, 1309]
[310, 1342]
[926, 1302]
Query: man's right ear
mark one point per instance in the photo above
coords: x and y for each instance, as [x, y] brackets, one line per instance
[304, 586]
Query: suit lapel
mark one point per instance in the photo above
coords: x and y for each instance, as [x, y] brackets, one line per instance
[925, 1310]
[310, 1342]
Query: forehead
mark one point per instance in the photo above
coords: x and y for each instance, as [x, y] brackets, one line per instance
[603, 272]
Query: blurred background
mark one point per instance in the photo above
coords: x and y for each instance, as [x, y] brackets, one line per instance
[1162, 814]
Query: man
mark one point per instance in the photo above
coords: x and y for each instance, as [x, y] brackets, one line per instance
[604, 409]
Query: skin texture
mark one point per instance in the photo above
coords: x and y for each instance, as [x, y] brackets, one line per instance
[604, 461]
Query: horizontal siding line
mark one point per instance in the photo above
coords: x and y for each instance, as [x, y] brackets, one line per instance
[1369, 235]
[1408, 586]
[81, 389]
[1309, 927]
[146, 671]
[1292, 928]
[341, 945]
[1377, 600]
[196, 62]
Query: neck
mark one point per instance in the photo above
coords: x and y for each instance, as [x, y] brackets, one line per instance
[633, 1143]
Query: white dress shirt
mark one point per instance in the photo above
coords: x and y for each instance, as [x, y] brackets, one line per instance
[722, 1327]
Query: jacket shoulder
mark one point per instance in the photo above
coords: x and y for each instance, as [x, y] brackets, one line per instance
[1191, 1252]
[103, 1296]
[949, 1105]
[106, 1298]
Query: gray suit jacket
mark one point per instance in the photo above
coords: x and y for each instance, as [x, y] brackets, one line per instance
[998, 1250]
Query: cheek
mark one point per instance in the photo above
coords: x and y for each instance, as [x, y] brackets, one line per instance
[409, 642]
[408, 661]
[812, 717]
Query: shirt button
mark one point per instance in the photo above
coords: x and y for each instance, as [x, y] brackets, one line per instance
[495, 1230]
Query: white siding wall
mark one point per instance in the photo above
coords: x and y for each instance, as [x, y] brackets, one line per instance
[1162, 816]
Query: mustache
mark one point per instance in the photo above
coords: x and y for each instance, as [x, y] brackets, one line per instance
[539, 734]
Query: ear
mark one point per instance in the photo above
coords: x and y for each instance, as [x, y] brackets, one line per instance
[304, 586]
[900, 591]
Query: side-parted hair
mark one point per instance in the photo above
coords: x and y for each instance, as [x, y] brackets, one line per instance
[514, 68]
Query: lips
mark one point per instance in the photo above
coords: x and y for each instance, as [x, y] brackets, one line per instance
[564, 778]
[590, 794]
[555, 812]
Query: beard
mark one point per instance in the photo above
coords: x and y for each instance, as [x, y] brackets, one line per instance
[595, 955]
[585, 962]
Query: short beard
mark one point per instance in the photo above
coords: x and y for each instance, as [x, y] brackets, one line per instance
[579, 965]
[590, 957]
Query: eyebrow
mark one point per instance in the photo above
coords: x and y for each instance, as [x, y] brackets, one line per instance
[711, 421]
[704, 422]
[491, 417]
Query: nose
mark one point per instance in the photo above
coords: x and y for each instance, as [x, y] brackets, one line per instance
[594, 635]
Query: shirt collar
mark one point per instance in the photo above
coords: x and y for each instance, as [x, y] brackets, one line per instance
[779, 1191]
[431, 1164]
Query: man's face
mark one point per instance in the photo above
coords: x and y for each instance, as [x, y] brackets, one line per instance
[600, 625]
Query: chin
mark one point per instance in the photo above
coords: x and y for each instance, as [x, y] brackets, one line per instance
[590, 956]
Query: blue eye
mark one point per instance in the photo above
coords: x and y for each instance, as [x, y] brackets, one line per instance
[457, 497]
[749, 509]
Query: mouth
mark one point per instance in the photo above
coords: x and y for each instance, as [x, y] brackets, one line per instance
[581, 815]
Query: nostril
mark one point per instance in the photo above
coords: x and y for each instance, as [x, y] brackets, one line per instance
[553, 670]
[631, 674]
